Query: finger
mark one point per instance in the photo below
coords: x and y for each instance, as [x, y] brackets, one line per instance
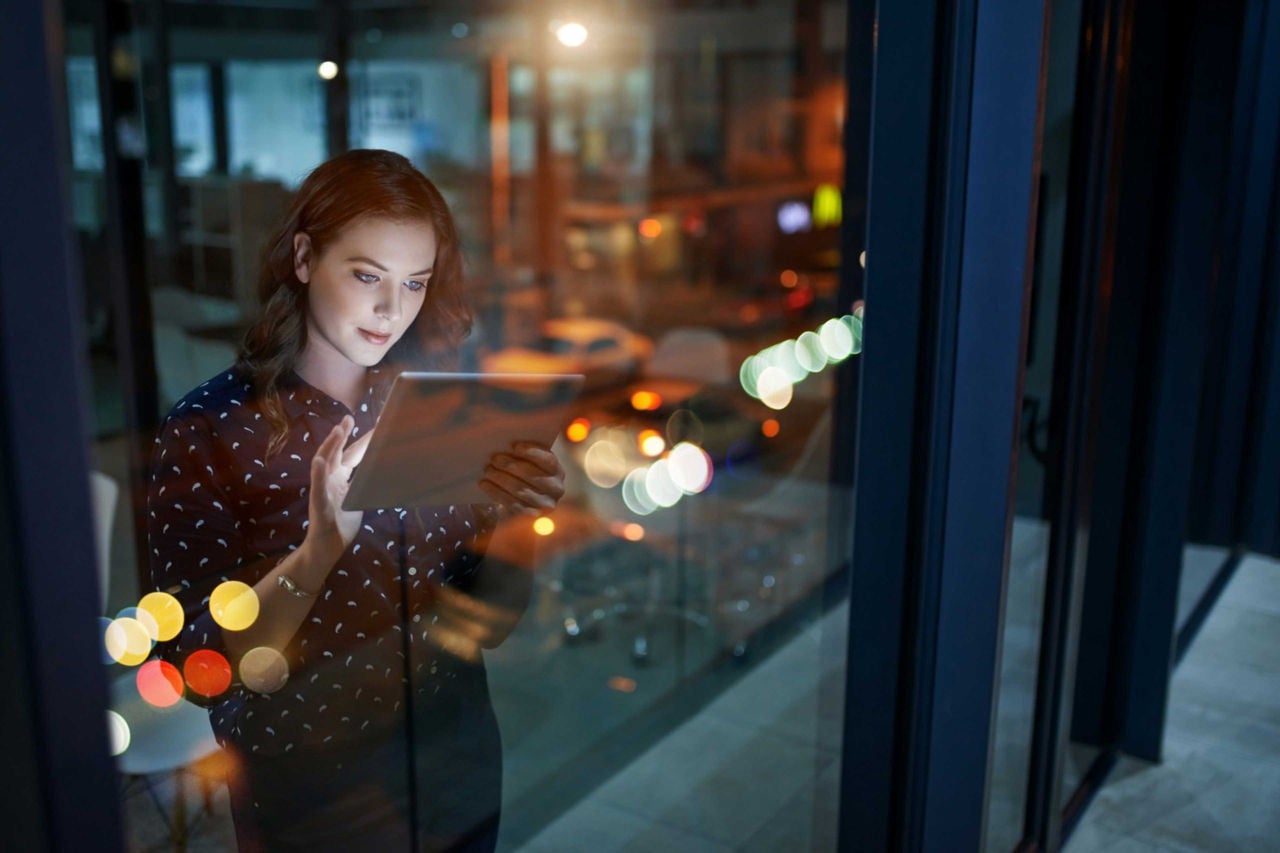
[520, 467]
[344, 427]
[540, 496]
[538, 454]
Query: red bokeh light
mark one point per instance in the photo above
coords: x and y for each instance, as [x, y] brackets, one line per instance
[207, 672]
[159, 683]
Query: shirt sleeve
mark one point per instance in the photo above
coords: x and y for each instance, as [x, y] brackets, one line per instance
[192, 537]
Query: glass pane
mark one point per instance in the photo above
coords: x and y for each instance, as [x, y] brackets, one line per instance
[658, 660]
[1029, 551]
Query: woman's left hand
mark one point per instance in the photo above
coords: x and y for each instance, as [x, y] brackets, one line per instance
[526, 479]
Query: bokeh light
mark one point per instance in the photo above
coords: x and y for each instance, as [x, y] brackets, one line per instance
[104, 625]
[650, 229]
[234, 605]
[144, 618]
[809, 352]
[662, 489]
[544, 526]
[774, 387]
[571, 34]
[645, 401]
[159, 683]
[651, 442]
[263, 670]
[605, 464]
[635, 495]
[165, 610]
[118, 735]
[578, 430]
[770, 428]
[690, 468]
[684, 425]
[127, 641]
[207, 672]
[632, 532]
[327, 70]
[622, 684]
[837, 340]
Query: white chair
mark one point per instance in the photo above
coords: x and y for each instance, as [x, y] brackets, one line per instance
[161, 740]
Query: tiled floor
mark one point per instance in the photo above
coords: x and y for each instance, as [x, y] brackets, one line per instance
[1218, 788]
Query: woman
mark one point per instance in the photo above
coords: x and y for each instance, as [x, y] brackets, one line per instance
[357, 711]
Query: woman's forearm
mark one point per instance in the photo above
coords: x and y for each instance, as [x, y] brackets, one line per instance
[280, 612]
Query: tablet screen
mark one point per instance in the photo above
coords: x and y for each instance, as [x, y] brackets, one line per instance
[438, 431]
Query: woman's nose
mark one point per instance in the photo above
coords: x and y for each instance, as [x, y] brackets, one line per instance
[389, 303]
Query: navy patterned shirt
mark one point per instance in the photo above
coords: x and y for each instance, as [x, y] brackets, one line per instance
[221, 508]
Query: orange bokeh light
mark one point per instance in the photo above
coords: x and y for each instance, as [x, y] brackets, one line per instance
[645, 401]
[632, 532]
[789, 278]
[770, 428]
[578, 430]
[207, 672]
[650, 228]
[622, 684]
[159, 683]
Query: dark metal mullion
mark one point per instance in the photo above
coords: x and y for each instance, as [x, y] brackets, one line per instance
[122, 192]
[1223, 415]
[940, 312]
[47, 559]
[337, 92]
[1081, 325]
[898, 200]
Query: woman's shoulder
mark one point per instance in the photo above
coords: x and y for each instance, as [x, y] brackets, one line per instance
[228, 389]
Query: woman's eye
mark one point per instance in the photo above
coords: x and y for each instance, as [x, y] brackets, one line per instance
[366, 277]
[416, 286]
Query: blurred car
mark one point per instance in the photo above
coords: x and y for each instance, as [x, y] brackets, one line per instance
[607, 353]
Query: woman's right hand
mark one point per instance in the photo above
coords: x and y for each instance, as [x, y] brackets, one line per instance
[330, 528]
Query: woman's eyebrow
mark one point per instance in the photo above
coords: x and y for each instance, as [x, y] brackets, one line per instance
[374, 263]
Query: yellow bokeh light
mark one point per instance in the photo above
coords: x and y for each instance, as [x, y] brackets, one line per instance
[166, 611]
[605, 464]
[544, 526]
[263, 670]
[578, 430]
[651, 442]
[234, 605]
[117, 733]
[127, 641]
[645, 401]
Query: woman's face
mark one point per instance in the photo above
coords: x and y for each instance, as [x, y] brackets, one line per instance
[365, 289]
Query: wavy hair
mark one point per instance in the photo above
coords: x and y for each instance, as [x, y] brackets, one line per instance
[350, 188]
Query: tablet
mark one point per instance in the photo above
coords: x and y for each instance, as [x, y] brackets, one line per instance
[438, 430]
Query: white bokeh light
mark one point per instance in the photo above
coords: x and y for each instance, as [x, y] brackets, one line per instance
[659, 484]
[774, 387]
[690, 468]
[605, 463]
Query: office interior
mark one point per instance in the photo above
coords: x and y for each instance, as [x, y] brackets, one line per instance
[966, 311]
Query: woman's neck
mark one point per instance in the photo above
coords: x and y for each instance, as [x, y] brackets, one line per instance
[334, 374]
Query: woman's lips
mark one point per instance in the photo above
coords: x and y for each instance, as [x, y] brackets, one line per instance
[374, 337]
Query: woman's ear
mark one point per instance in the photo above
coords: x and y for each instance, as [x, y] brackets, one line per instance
[302, 257]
